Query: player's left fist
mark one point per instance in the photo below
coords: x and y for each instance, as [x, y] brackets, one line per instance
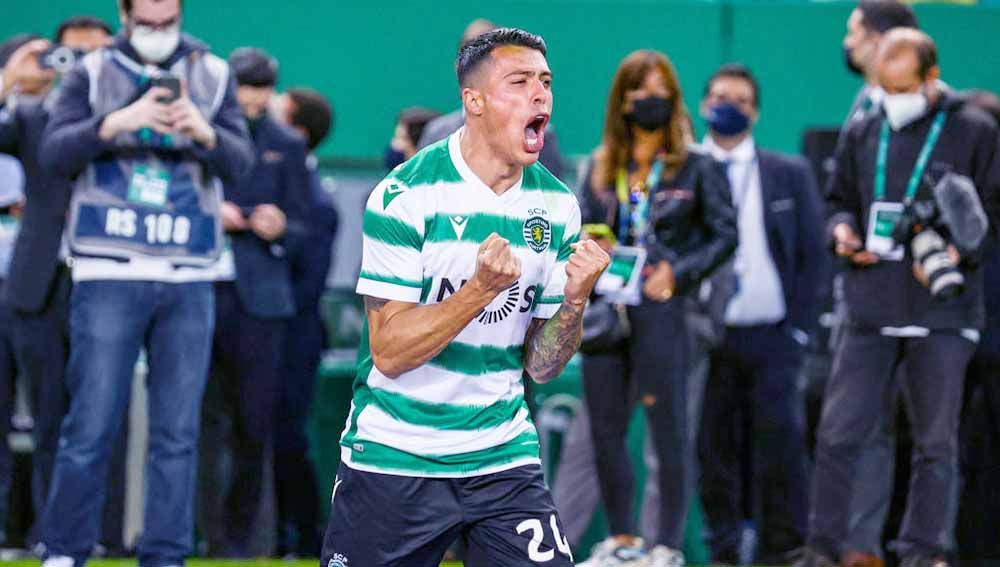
[586, 264]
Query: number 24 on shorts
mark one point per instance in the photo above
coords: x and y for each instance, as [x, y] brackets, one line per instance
[538, 535]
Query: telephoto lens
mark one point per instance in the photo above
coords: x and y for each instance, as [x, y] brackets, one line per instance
[931, 252]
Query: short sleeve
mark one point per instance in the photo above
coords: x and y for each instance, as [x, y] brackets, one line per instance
[392, 239]
[550, 298]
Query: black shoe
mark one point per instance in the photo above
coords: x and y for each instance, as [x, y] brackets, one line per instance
[813, 558]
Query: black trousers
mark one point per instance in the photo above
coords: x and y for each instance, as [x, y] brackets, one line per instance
[651, 368]
[237, 423]
[295, 485]
[859, 392]
[752, 419]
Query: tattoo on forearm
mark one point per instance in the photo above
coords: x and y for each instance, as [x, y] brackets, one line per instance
[553, 343]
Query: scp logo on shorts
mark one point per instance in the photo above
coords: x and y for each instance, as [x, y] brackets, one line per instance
[338, 560]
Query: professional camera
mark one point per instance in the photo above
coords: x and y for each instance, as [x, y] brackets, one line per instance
[955, 216]
[59, 58]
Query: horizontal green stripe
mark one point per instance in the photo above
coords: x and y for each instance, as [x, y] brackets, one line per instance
[389, 280]
[431, 165]
[476, 228]
[478, 360]
[555, 299]
[380, 456]
[538, 178]
[391, 231]
[453, 417]
[567, 247]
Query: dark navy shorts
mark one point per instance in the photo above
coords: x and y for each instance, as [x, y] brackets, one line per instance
[507, 519]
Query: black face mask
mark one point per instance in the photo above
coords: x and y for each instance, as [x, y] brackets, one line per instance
[851, 65]
[393, 157]
[650, 113]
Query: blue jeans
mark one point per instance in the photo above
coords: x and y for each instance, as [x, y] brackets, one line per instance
[110, 321]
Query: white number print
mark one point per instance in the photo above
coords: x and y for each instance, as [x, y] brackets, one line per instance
[538, 535]
[165, 229]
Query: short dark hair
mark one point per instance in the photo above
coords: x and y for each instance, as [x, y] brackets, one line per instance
[12, 44]
[736, 71]
[127, 5]
[312, 112]
[478, 49]
[82, 23]
[883, 15]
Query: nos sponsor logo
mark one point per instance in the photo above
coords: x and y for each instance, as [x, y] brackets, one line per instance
[501, 307]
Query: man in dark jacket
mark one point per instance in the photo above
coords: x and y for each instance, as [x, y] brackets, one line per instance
[754, 370]
[295, 487]
[147, 129]
[39, 283]
[886, 159]
[264, 217]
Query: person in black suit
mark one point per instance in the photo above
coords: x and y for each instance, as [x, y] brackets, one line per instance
[752, 405]
[265, 220]
[38, 286]
[295, 487]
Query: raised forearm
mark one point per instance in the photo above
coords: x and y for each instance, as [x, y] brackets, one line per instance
[551, 344]
[410, 338]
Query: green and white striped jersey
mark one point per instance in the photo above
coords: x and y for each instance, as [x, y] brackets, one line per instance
[463, 413]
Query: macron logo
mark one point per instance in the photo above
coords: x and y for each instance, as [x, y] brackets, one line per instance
[458, 223]
[390, 193]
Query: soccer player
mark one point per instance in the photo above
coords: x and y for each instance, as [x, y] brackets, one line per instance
[472, 275]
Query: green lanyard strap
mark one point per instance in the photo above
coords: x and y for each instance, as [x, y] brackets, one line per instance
[918, 168]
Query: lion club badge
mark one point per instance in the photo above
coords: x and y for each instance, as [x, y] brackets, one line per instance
[537, 233]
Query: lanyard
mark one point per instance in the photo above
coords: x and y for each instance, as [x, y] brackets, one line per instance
[918, 168]
[634, 206]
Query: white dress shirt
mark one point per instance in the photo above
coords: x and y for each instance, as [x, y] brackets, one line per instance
[759, 297]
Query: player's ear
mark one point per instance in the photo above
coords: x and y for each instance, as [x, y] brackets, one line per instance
[472, 100]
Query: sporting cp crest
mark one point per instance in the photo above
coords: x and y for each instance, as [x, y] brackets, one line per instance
[537, 233]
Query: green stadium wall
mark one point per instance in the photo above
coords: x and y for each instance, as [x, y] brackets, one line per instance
[373, 58]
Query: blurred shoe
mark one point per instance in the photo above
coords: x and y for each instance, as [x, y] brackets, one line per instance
[915, 561]
[58, 561]
[859, 559]
[613, 553]
[813, 558]
[663, 556]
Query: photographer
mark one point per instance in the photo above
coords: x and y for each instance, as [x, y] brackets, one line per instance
[264, 218]
[147, 129]
[38, 286]
[904, 304]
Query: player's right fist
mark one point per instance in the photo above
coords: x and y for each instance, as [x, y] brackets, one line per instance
[497, 268]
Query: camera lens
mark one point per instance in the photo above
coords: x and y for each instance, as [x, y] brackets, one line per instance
[930, 251]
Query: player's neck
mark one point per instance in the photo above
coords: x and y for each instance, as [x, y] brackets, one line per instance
[647, 145]
[494, 171]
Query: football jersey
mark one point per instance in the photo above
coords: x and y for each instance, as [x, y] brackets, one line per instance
[463, 413]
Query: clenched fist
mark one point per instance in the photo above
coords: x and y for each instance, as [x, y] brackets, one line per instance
[497, 268]
[586, 264]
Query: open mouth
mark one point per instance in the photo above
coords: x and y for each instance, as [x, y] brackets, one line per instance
[534, 133]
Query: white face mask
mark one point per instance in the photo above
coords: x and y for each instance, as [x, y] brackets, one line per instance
[902, 109]
[154, 46]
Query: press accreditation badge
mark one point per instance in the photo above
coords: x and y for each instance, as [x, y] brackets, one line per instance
[149, 186]
[881, 223]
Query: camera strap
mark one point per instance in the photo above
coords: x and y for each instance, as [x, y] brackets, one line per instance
[918, 168]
